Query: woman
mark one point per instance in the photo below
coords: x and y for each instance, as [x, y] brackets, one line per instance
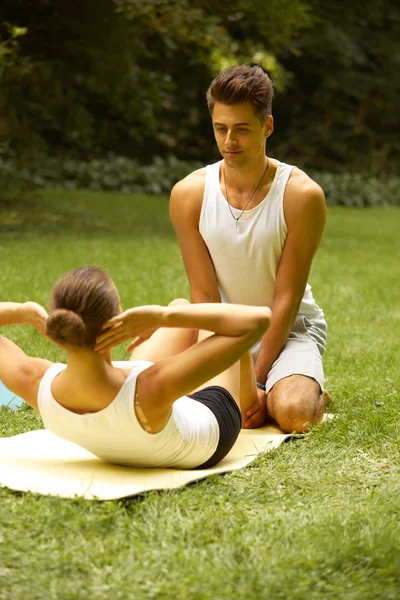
[142, 412]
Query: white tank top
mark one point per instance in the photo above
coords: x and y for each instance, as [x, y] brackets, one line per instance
[246, 258]
[114, 434]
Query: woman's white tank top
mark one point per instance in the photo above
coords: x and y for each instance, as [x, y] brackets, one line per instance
[114, 434]
[246, 254]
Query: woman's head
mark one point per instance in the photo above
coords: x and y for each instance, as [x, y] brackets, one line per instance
[81, 301]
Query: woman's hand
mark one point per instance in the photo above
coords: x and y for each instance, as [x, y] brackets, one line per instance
[35, 315]
[139, 323]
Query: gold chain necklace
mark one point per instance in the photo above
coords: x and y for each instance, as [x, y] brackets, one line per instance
[248, 201]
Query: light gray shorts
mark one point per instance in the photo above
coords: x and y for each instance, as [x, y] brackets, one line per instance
[302, 354]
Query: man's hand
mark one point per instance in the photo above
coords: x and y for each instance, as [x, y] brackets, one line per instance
[35, 315]
[257, 414]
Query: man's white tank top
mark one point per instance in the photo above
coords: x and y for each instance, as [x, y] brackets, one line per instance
[114, 434]
[246, 257]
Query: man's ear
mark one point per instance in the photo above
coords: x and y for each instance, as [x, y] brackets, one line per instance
[269, 126]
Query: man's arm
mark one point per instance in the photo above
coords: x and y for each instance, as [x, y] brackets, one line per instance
[185, 207]
[305, 214]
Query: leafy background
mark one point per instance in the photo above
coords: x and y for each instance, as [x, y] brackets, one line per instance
[85, 79]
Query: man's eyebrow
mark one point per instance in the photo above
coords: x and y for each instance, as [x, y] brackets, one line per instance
[235, 125]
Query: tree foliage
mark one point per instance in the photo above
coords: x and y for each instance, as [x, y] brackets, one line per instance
[82, 90]
[129, 76]
[341, 107]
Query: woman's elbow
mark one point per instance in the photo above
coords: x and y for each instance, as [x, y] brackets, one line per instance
[263, 321]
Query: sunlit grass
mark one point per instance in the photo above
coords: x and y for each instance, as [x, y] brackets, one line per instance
[317, 518]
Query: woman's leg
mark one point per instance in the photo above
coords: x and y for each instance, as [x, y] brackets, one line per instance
[166, 342]
[239, 380]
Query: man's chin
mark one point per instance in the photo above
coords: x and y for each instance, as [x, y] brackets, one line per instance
[234, 161]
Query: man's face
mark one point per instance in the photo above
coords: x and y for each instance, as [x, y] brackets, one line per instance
[239, 133]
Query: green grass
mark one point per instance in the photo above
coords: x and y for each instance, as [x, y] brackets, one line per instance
[316, 518]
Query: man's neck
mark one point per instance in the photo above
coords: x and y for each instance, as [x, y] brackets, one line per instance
[244, 178]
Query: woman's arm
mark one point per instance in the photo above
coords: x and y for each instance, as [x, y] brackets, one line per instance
[20, 373]
[26, 313]
[236, 328]
[141, 322]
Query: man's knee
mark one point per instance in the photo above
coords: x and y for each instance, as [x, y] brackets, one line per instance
[178, 301]
[296, 410]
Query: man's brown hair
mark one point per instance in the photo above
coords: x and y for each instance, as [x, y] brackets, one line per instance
[242, 84]
[81, 301]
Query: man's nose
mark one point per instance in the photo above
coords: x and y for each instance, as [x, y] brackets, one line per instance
[230, 138]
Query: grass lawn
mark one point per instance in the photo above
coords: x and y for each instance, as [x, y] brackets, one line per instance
[316, 518]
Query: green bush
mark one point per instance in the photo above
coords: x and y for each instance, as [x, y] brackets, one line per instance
[12, 185]
[111, 173]
[129, 176]
[357, 189]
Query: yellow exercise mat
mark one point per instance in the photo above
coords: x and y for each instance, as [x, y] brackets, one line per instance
[42, 463]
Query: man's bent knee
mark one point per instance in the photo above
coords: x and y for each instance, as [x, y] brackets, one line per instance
[295, 412]
[178, 301]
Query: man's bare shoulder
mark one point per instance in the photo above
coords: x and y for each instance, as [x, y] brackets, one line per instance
[301, 188]
[192, 184]
[304, 201]
[187, 198]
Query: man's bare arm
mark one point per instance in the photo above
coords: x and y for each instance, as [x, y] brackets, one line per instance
[185, 208]
[305, 213]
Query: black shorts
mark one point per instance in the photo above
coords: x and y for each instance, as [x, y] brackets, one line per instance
[227, 413]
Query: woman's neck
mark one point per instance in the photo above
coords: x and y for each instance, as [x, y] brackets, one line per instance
[89, 383]
[86, 364]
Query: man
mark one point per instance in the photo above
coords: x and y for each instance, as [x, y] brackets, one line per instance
[248, 228]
